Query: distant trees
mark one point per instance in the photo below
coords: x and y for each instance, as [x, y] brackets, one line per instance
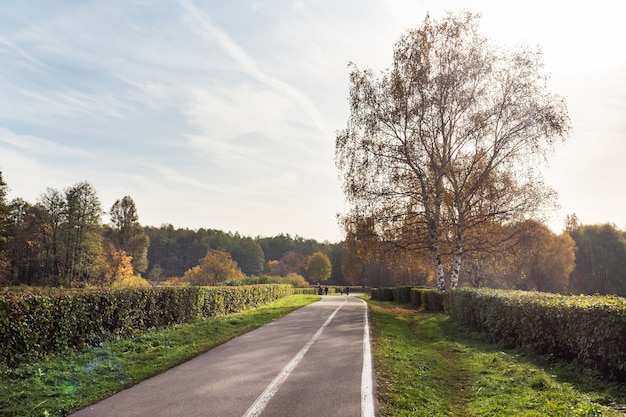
[543, 260]
[318, 268]
[81, 235]
[293, 262]
[441, 149]
[58, 240]
[600, 259]
[533, 258]
[126, 234]
[171, 252]
[5, 232]
[248, 255]
[369, 260]
[215, 268]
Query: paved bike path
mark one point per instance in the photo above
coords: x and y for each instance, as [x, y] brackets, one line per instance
[312, 362]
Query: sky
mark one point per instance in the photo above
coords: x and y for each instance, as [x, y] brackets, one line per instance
[223, 114]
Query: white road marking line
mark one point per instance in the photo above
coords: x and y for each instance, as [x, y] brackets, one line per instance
[367, 392]
[261, 402]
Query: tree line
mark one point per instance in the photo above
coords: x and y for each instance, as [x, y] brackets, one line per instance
[583, 259]
[173, 252]
[60, 240]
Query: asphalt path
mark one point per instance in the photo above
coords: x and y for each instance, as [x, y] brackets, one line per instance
[315, 361]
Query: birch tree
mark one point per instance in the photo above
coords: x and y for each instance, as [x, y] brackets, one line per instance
[448, 140]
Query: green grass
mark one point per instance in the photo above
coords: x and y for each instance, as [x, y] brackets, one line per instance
[427, 366]
[65, 383]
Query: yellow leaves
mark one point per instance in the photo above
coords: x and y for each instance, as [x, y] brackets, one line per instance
[124, 267]
[125, 276]
[133, 281]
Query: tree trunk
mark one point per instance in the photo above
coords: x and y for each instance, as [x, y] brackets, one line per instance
[456, 268]
[441, 282]
[458, 258]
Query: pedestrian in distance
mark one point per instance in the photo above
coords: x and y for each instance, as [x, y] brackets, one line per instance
[347, 290]
[326, 290]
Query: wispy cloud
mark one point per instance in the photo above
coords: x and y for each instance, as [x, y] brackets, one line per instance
[31, 62]
[37, 145]
[203, 25]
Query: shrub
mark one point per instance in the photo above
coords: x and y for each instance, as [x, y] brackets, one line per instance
[132, 281]
[34, 324]
[590, 330]
[416, 297]
[402, 295]
[432, 299]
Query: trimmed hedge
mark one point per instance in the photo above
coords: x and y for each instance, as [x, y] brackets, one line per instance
[430, 298]
[382, 294]
[401, 295]
[33, 325]
[589, 330]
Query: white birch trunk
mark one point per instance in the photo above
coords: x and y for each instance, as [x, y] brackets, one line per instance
[456, 268]
[458, 259]
[441, 282]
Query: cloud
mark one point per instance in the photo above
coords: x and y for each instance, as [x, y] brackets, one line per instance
[203, 25]
[37, 145]
[23, 58]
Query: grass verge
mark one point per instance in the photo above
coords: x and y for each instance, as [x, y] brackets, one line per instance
[427, 366]
[62, 384]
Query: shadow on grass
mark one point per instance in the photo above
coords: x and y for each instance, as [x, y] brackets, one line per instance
[491, 380]
[603, 390]
[60, 384]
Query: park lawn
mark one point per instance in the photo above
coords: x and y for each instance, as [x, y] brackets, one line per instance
[428, 366]
[61, 384]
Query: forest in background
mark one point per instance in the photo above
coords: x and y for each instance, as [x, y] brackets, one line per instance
[60, 240]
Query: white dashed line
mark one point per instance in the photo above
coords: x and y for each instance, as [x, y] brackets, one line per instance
[261, 402]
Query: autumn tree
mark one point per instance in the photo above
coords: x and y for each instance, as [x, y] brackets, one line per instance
[126, 234]
[318, 268]
[543, 260]
[215, 268]
[292, 263]
[124, 274]
[370, 261]
[447, 140]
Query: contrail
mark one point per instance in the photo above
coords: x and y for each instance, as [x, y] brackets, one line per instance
[249, 65]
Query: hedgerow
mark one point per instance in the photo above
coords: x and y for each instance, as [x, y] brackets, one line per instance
[589, 330]
[383, 294]
[430, 298]
[36, 324]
